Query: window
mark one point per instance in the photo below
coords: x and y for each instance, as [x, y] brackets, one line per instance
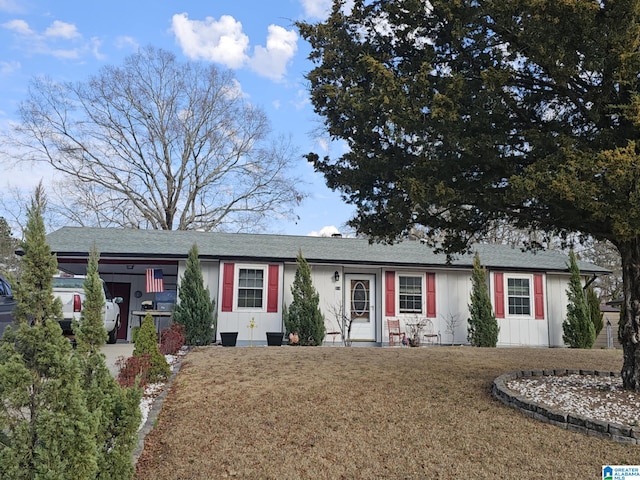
[410, 294]
[250, 287]
[519, 296]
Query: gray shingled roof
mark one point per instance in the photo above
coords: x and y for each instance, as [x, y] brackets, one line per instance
[113, 242]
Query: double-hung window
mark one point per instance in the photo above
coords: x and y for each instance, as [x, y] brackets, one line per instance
[410, 293]
[519, 296]
[251, 287]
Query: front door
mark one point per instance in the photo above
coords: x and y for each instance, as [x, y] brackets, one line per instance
[360, 306]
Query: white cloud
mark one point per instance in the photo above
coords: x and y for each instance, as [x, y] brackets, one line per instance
[325, 232]
[126, 42]
[220, 41]
[7, 68]
[223, 41]
[316, 8]
[321, 9]
[60, 29]
[18, 26]
[11, 6]
[271, 62]
[323, 144]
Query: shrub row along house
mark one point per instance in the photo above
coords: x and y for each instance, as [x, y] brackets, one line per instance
[250, 276]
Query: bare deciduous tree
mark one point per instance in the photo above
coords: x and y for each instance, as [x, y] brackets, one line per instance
[161, 144]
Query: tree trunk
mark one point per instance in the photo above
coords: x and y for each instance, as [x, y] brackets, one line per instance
[629, 329]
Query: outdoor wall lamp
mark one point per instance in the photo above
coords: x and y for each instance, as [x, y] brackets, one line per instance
[336, 276]
[129, 267]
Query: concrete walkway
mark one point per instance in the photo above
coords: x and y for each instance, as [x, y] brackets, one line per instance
[115, 351]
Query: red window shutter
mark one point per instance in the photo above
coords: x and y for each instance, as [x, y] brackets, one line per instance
[538, 296]
[390, 294]
[498, 294]
[227, 287]
[272, 289]
[431, 295]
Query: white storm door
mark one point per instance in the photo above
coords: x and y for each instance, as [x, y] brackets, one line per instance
[359, 305]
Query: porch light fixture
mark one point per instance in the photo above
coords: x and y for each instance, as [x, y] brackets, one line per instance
[129, 267]
[336, 276]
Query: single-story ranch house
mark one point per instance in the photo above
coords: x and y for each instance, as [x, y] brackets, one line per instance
[250, 277]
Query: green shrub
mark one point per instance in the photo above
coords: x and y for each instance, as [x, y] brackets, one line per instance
[304, 316]
[147, 342]
[578, 330]
[195, 308]
[482, 327]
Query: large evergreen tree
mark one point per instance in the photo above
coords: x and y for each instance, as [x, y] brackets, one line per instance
[195, 308]
[46, 429]
[34, 294]
[482, 326]
[460, 114]
[578, 329]
[116, 410]
[304, 315]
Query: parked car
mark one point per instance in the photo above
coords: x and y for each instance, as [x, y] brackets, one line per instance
[7, 304]
[70, 290]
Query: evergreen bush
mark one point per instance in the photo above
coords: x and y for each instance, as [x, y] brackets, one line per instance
[578, 329]
[594, 310]
[483, 329]
[195, 307]
[115, 410]
[147, 343]
[46, 427]
[304, 316]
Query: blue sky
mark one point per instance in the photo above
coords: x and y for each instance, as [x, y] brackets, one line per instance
[70, 40]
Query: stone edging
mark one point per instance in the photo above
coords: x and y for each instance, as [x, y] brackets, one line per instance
[568, 421]
[154, 412]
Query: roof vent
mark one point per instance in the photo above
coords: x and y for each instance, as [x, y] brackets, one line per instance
[336, 235]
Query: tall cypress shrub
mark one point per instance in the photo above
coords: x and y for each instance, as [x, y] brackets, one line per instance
[578, 329]
[195, 308]
[46, 429]
[594, 310]
[116, 410]
[482, 329]
[304, 315]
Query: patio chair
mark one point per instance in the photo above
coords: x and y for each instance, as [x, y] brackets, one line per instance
[428, 332]
[394, 331]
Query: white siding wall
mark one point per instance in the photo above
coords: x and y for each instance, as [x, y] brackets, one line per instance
[556, 307]
[239, 321]
[453, 292]
[518, 330]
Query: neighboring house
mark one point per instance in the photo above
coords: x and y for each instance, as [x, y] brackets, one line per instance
[250, 276]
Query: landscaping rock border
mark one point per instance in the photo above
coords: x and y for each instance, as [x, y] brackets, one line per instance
[568, 421]
[156, 408]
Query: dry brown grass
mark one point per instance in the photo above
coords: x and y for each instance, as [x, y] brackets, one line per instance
[366, 413]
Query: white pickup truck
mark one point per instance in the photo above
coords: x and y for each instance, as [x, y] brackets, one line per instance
[70, 290]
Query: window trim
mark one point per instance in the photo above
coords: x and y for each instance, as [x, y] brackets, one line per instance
[423, 293]
[531, 296]
[236, 286]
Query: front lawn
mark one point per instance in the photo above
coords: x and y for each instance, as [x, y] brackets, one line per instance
[366, 413]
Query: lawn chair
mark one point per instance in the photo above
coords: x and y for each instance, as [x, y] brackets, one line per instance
[394, 331]
[429, 334]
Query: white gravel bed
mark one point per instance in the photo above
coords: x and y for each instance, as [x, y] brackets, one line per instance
[590, 396]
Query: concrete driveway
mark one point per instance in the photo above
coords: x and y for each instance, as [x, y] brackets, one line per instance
[115, 351]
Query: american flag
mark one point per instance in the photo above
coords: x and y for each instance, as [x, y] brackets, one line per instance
[155, 280]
